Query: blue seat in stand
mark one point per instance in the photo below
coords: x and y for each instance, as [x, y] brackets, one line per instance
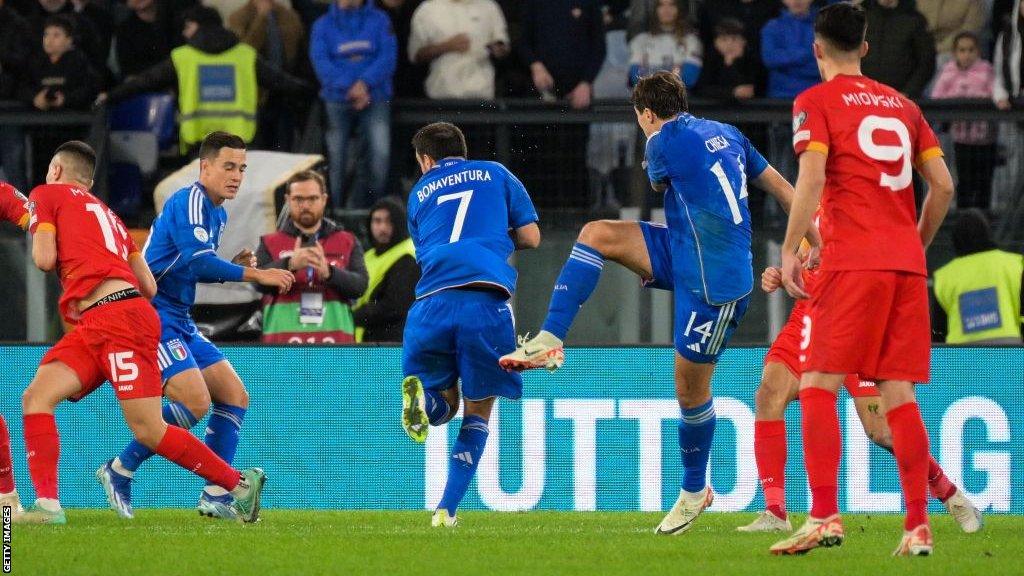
[139, 129]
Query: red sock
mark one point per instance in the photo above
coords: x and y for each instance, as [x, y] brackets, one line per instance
[910, 446]
[42, 445]
[822, 449]
[770, 454]
[940, 486]
[185, 450]
[6, 469]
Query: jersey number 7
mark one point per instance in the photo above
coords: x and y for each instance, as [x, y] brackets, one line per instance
[460, 213]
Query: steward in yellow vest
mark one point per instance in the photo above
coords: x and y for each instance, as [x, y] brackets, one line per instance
[979, 291]
[217, 80]
[391, 265]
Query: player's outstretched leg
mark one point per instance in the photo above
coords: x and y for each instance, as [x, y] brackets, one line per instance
[465, 457]
[696, 431]
[230, 402]
[185, 450]
[618, 241]
[8, 494]
[822, 451]
[872, 417]
[777, 389]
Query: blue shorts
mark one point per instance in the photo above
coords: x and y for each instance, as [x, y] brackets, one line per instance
[700, 330]
[182, 347]
[455, 334]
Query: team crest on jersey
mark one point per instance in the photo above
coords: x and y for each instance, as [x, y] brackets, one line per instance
[799, 120]
[177, 350]
[201, 234]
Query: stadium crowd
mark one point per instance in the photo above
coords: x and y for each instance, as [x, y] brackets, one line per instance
[358, 56]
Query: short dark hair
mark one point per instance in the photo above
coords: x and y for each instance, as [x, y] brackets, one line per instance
[440, 140]
[214, 141]
[306, 176]
[79, 158]
[729, 27]
[62, 21]
[203, 16]
[842, 25]
[966, 34]
[662, 93]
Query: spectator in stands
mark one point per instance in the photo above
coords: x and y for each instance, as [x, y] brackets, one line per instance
[328, 265]
[354, 53]
[142, 40]
[610, 145]
[1008, 62]
[901, 52]
[208, 98]
[754, 14]
[970, 76]
[409, 77]
[563, 44]
[458, 38]
[88, 36]
[391, 264]
[61, 77]
[787, 47]
[669, 43]
[15, 55]
[276, 32]
[729, 72]
[948, 18]
[979, 292]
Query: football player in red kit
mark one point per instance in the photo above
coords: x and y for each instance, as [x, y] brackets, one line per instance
[858, 142]
[13, 210]
[106, 287]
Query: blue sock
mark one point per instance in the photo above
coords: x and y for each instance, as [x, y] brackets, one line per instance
[175, 414]
[438, 409]
[222, 435]
[696, 430]
[575, 284]
[469, 446]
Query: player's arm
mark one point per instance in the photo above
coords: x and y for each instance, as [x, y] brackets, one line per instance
[44, 249]
[42, 225]
[526, 237]
[936, 202]
[147, 283]
[809, 186]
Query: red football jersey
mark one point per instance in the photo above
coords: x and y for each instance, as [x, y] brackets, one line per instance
[92, 243]
[12, 205]
[874, 137]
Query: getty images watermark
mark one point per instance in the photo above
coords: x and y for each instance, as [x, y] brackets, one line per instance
[8, 511]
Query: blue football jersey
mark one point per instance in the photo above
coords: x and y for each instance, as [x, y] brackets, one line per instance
[706, 165]
[189, 226]
[460, 213]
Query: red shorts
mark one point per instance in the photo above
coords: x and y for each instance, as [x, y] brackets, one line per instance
[870, 322]
[115, 342]
[786, 350]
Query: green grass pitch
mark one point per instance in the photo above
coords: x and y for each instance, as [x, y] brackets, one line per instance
[181, 543]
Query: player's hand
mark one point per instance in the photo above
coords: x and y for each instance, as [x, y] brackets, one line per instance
[245, 258]
[458, 43]
[579, 98]
[277, 278]
[792, 276]
[40, 101]
[771, 279]
[813, 259]
[542, 79]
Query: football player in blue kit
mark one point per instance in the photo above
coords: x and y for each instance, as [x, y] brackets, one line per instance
[466, 217]
[182, 251]
[702, 255]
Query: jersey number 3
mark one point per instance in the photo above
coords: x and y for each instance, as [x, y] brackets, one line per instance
[460, 213]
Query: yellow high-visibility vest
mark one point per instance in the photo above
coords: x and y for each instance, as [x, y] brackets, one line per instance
[981, 296]
[215, 92]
